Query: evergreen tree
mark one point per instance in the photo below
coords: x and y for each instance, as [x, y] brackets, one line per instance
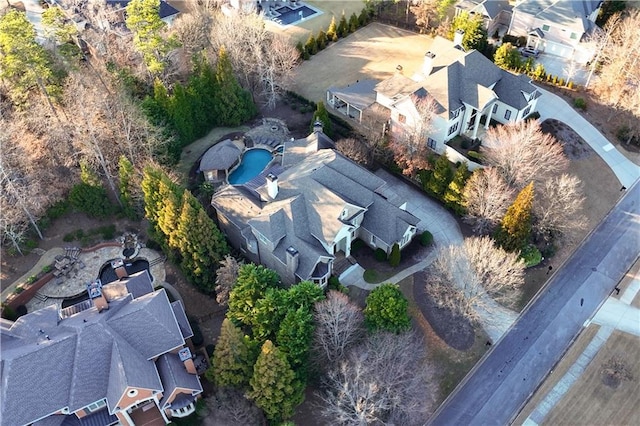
[515, 229]
[454, 195]
[387, 309]
[234, 104]
[304, 294]
[321, 114]
[441, 177]
[201, 243]
[395, 257]
[363, 18]
[125, 187]
[151, 191]
[332, 31]
[353, 23]
[475, 34]
[253, 282]
[24, 64]
[268, 313]
[143, 19]
[311, 46]
[170, 212]
[343, 27]
[321, 40]
[294, 338]
[507, 57]
[232, 360]
[274, 387]
[181, 110]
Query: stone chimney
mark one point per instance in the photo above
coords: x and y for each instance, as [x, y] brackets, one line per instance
[457, 38]
[187, 359]
[94, 288]
[293, 258]
[427, 65]
[272, 185]
[317, 126]
[119, 269]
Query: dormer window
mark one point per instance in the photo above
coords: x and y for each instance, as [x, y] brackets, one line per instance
[545, 28]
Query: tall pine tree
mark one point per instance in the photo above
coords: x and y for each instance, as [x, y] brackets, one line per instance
[332, 31]
[294, 338]
[454, 195]
[234, 103]
[441, 177]
[515, 229]
[274, 387]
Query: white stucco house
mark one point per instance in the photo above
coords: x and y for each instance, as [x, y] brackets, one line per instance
[558, 27]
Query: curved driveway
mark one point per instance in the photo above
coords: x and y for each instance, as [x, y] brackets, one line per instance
[553, 106]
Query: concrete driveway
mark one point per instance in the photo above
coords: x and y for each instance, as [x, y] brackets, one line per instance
[553, 106]
[556, 65]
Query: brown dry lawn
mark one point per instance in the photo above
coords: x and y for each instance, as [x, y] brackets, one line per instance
[373, 52]
[590, 401]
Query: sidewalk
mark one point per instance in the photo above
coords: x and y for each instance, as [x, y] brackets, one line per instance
[553, 106]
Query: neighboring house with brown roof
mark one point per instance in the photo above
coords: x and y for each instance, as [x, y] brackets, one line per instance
[558, 27]
[116, 359]
[308, 211]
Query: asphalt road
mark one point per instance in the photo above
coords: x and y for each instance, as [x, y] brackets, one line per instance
[501, 383]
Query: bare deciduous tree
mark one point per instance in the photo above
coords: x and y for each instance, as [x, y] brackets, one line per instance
[426, 14]
[385, 380]
[192, 30]
[478, 270]
[409, 141]
[226, 276]
[263, 60]
[339, 325]
[355, 150]
[619, 57]
[229, 406]
[558, 207]
[522, 153]
[487, 198]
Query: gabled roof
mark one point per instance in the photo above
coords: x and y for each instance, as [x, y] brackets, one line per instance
[174, 376]
[563, 13]
[221, 156]
[488, 8]
[49, 363]
[181, 317]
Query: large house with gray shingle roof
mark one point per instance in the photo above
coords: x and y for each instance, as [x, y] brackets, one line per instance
[466, 87]
[121, 359]
[307, 215]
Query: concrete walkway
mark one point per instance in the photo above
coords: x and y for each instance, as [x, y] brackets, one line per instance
[553, 106]
[614, 314]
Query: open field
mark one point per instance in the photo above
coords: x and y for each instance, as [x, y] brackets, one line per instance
[590, 401]
[373, 52]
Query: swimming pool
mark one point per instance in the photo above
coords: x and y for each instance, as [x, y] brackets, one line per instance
[289, 16]
[253, 162]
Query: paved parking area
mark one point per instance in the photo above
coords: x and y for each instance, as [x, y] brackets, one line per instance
[555, 65]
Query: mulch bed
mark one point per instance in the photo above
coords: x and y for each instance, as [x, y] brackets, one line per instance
[456, 331]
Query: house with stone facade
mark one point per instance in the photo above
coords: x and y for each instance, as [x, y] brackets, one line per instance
[302, 215]
[120, 357]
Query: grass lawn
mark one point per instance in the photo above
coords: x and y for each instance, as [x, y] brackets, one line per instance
[373, 276]
[372, 52]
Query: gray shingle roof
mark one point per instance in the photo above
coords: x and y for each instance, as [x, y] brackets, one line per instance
[360, 94]
[565, 13]
[386, 221]
[86, 357]
[132, 323]
[174, 375]
[181, 317]
[510, 87]
[221, 156]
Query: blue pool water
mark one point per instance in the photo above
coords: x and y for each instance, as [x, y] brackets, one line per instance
[252, 163]
[289, 16]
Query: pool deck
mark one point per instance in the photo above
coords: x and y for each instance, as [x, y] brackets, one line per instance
[75, 283]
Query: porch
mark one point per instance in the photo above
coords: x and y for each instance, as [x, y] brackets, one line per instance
[147, 414]
[353, 99]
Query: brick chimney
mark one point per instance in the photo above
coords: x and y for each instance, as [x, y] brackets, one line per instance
[94, 288]
[272, 185]
[293, 258]
[119, 269]
[457, 38]
[427, 64]
[187, 359]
